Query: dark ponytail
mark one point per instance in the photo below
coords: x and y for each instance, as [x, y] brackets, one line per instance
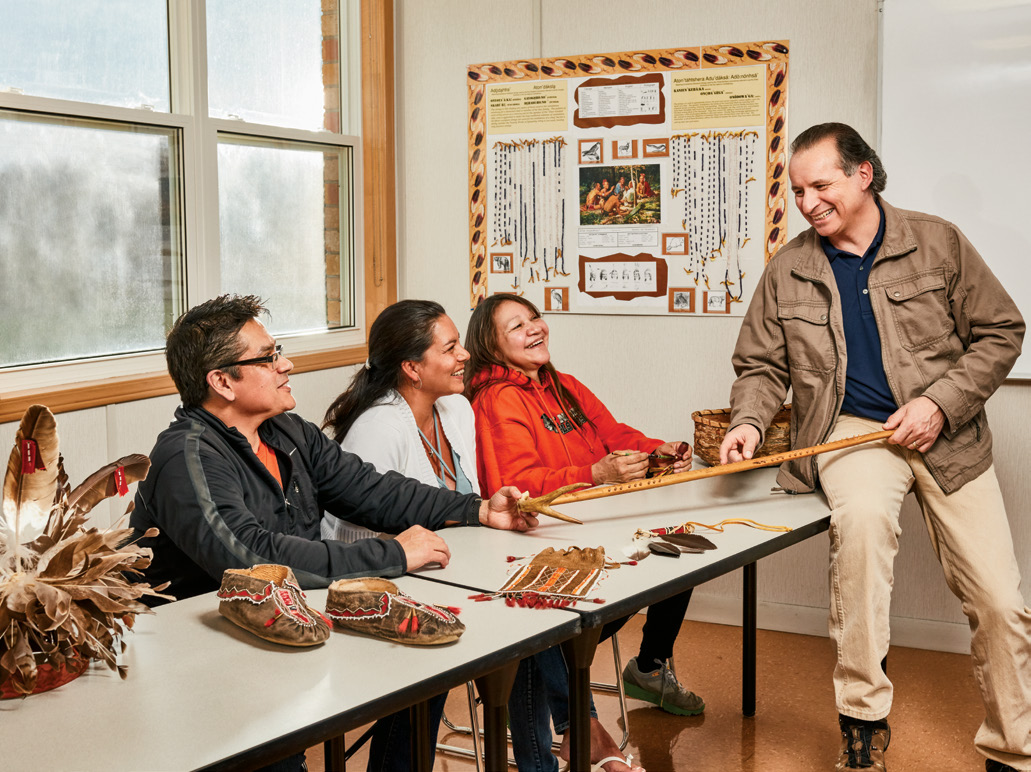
[401, 333]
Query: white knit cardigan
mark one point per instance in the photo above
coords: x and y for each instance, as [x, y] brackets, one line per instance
[386, 436]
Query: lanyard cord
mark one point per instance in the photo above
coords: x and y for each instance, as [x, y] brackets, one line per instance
[433, 451]
[690, 527]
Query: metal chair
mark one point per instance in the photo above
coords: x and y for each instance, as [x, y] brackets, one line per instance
[476, 733]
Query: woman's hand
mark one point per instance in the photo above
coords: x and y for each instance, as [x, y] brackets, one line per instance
[681, 452]
[620, 466]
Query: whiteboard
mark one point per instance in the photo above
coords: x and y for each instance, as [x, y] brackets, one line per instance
[956, 126]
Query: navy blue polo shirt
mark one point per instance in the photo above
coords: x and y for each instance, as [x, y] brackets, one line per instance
[866, 387]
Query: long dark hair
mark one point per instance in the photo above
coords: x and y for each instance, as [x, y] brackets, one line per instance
[401, 333]
[481, 341]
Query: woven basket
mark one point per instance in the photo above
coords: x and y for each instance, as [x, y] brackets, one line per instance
[710, 426]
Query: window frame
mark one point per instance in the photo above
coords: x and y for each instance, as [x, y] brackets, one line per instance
[79, 385]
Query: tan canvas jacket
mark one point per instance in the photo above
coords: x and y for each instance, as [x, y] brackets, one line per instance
[948, 329]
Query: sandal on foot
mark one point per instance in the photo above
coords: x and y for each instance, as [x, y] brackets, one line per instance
[599, 766]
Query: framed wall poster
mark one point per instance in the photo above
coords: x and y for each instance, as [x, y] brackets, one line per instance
[681, 300]
[596, 171]
[674, 243]
[715, 302]
[624, 148]
[501, 262]
[591, 151]
[556, 299]
[652, 148]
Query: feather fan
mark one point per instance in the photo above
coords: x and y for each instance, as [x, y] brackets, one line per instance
[30, 484]
[102, 483]
[68, 592]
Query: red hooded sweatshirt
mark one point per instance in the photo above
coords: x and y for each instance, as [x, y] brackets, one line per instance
[524, 437]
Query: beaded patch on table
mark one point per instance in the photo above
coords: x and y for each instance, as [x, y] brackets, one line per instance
[554, 578]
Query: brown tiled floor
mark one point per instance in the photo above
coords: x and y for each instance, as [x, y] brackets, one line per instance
[937, 709]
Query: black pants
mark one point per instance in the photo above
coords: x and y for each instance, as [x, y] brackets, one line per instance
[661, 628]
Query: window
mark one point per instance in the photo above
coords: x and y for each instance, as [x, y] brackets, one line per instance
[91, 261]
[154, 154]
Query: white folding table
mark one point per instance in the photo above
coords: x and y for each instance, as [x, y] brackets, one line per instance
[479, 560]
[201, 693]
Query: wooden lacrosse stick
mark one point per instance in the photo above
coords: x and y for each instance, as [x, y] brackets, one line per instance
[541, 504]
[561, 496]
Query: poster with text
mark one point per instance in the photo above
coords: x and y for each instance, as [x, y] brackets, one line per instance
[630, 182]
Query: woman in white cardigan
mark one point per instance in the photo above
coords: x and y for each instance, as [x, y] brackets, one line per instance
[387, 435]
[404, 412]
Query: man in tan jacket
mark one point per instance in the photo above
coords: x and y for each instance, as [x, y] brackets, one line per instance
[879, 318]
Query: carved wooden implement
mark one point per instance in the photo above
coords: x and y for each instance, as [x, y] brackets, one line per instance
[561, 496]
[541, 504]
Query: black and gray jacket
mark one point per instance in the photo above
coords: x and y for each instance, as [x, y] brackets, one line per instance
[218, 507]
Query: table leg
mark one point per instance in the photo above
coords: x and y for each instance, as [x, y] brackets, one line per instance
[748, 623]
[579, 652]
[334, 751]
[422, 753]
[494, 689]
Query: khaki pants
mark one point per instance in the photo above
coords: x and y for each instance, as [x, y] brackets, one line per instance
[970, 534]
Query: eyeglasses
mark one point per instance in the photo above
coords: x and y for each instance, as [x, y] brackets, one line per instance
[269, 359]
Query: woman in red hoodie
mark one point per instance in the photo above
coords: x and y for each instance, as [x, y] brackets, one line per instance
[539, 429]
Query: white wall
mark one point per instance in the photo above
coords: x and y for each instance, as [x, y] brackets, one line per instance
[652, 372]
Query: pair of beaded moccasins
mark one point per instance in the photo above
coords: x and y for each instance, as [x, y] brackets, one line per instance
[267, 601]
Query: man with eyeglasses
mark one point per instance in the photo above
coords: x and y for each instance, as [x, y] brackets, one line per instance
[237, 480]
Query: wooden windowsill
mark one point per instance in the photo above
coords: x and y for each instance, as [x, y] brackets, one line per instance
[110, 391]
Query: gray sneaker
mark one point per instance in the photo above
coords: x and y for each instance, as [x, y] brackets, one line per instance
[661, 688]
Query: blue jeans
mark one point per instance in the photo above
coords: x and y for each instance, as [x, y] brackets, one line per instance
[540, 692]
[391, 749]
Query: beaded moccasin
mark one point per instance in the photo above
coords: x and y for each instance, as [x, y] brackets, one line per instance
[378, 608]
[267, 601]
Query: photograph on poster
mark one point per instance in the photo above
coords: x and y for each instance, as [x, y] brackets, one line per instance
[674, 243]
[501, 262]
[681, 300]
[620, 277]
[620, 195]
[590, 151]
[655, 147]
[556, 299]
[624, 148]
[715, 302]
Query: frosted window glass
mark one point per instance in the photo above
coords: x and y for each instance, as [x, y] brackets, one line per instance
[281, 232]
[268, 62]
[109, 52]
[88, 237]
